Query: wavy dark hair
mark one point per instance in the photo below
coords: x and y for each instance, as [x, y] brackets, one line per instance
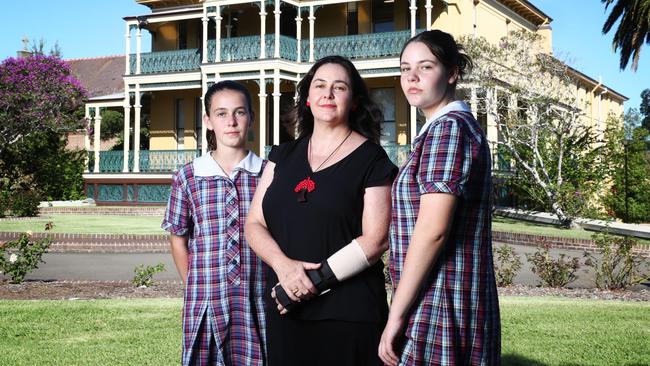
[447, 51]
[365, 119]
[207, 102]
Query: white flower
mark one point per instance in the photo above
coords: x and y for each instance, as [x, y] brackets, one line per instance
[29, 233]
[13, 258]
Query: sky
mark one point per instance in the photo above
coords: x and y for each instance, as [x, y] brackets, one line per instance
[93, 28]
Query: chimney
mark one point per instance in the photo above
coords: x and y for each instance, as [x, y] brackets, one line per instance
[24, 52]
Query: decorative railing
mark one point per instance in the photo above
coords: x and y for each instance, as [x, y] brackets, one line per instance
[167, 61]
[150, 160]
[370, 45]
[397, 153]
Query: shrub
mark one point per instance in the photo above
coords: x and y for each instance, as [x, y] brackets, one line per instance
[508, 263]
[24, 203]
[553, 272]
[4, 203]
[616, 267]
[144, 274]
[19, 257]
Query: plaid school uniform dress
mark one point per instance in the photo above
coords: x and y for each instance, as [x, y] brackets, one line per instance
[455, 319]
[223, 315]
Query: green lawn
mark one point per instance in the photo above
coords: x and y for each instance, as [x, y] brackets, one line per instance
[83, 224]
[536, 331]
[500, 223]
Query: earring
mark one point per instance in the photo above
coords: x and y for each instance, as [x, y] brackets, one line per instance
[308, 104]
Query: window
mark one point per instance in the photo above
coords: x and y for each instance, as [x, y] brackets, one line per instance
[182, 35]
[353, 18]
[385, 98]
[199, 123]
[383, 16]
[180, 124]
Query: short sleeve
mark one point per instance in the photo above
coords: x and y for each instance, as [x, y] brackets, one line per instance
[446, 159]
[382, 171]
[177, 218]
[274, 154]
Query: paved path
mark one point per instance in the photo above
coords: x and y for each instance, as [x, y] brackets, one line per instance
[119, 267]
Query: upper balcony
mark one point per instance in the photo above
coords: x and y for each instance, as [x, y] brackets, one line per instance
[361, 46]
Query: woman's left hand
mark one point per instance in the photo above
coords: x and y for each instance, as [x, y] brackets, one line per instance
[389, 341]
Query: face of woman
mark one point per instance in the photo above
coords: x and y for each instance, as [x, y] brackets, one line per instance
[424, 79]
[229, 118]
[330, 94]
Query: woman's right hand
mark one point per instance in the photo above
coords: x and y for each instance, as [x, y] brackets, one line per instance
[294, 280]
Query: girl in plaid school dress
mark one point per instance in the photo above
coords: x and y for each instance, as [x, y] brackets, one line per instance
[445, 309]
[223, 315]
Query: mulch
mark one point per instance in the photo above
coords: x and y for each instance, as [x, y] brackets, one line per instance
[78, 290]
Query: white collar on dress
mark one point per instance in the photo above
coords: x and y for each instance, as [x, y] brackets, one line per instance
[455, 106]
[205, 166]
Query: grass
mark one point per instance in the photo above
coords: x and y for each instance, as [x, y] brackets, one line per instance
[535, 331]
[88, 224]
[500, 223]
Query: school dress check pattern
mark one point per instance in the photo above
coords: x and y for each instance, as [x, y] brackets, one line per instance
[455, 319]
[223, 315]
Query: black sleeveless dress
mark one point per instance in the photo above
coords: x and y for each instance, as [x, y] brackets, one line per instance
[343, 326]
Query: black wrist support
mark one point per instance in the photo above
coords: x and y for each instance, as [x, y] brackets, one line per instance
[322, 278]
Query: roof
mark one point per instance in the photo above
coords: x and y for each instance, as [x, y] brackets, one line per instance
[101, 76]
[527, 10]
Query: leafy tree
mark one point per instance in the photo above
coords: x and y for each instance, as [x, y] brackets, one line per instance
[112, 124]
[630, 183]
[37, 93]
[535, 105]
[644, 108]
[633, 29]
[38, 48]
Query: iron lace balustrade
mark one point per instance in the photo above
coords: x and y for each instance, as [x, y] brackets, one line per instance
[398, 154]
[151, 161]
[248, 48]
[167, 61]
[370, 45]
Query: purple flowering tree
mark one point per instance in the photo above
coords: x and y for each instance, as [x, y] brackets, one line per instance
[37, 93]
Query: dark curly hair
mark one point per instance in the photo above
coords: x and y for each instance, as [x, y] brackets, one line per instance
[447, 51]
[207, 101]
[365, 119]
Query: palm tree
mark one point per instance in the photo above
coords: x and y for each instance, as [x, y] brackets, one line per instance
[633, 29]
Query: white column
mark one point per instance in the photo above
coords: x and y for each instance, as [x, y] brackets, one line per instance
[204, 89]
[204, 37]
[97, 142]
[262, 29]
[127, 130]
[218, 18]
[413, 8]
[136, 131]
[138, 49]
[262, 96]
[127, 54]
[312, 18]
[414, 122]
[298, 34]
[473, 101]
[428, 6]
[276, 107]
[277, 13]
[87, 138]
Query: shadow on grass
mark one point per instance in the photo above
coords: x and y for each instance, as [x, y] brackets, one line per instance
[518, 360]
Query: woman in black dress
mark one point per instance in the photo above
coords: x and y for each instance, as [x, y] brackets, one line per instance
[320, 219]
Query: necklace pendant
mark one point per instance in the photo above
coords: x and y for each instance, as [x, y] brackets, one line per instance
[305, 186]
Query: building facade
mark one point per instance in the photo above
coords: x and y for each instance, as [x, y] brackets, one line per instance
[268, 45]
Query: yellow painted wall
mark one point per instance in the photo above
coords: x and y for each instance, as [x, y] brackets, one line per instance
[331, 20]
[163, 129]
[166, 37]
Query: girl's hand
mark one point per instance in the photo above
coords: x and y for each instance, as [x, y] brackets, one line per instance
[390, 341]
